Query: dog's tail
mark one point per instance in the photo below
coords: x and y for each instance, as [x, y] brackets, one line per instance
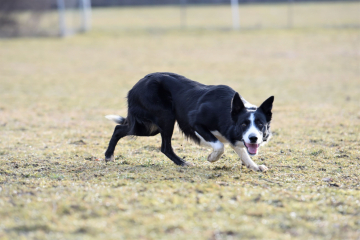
[116, 118]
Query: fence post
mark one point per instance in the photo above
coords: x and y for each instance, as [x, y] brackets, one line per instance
[183, 13]
[235, 14]
[85, 6]
[290, 14]
[62, 23]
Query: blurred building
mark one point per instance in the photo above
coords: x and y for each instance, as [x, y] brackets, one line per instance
[43, 17]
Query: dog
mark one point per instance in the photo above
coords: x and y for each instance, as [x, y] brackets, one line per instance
[210, 115]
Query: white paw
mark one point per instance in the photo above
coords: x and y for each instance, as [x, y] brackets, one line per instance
[214, 156]
[110, 159]
[263, 168]
[187, 164]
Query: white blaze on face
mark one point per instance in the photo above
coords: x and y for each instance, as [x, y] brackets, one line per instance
[247, 104]
[252, 131]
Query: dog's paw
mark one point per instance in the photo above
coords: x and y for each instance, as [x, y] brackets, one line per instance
[110, 159]
[214, 156]
[187, 164]
[263, 168]
[256, 168]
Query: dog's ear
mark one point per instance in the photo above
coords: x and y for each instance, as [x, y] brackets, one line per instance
[266, 107]
[236, 105]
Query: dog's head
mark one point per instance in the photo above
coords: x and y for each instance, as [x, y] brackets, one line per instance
[252, 124]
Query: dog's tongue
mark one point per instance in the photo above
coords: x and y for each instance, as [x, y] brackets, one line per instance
[252, 147]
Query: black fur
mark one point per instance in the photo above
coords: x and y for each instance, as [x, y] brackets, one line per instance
[159, 100]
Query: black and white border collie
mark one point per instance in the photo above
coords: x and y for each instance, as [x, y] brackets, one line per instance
[209, 115]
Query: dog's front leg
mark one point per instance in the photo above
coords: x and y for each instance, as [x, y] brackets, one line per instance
[245, 158]
[218, 147]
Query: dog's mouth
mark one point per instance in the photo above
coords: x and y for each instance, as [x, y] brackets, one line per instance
[252, 148]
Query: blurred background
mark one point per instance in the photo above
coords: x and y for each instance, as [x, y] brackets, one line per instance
[83, 56]
[65, 17]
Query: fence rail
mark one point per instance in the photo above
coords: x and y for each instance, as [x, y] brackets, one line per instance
[254, 15]
[64, 17]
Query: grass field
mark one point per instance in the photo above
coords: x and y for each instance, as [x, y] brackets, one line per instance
[54, 94]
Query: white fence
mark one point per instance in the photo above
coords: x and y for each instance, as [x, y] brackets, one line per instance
[252, 15]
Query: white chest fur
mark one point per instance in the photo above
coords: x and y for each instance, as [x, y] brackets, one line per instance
[223, 139]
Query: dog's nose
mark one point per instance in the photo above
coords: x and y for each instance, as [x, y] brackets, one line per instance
[253, 138]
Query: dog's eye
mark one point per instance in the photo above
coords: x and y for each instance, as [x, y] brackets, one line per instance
[243, 125]
[261, 125]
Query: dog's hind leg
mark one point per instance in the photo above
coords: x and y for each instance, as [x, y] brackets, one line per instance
[119, 132]
[209, 140]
